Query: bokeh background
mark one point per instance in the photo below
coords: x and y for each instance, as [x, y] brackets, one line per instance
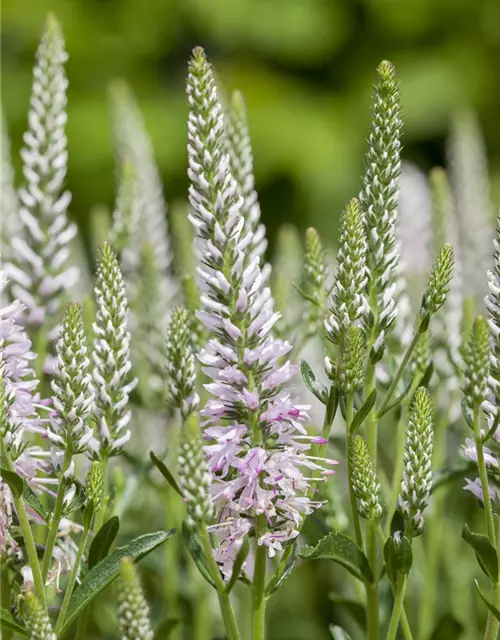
[306, 68]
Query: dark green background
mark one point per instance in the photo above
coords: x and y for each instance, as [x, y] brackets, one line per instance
[305, 66]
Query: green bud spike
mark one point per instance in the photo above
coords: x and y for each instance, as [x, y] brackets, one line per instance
[421, 355]
[438, 285]
[133, 610]
[181, 364]
[194, 476]
[365, 484]
[352, 366]
[36, 619]
[94, 486]
[314, 281]
[417, 473]
[476, 364]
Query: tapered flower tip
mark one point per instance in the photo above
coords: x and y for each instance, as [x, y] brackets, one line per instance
[386, 71]
[352, 206]
[118, 89]
[198, 59]
[238, 101]
[52, 24]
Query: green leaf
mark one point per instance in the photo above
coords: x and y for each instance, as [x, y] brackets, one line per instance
[447, 627]
[31, 499]
[196, 552]
[467, 413]
[362, 412]
[424, 323]
[338, 633]
[7, 620]
[356, 610]
[103, 574]
[102, 541]
[485, 552]
[165, 629]
[317, 389]
[342, 550]
[162, 468]
[278, 579]
[490, 606]
[15, 482]
[333, 403]
[398, 557]
[238, 564]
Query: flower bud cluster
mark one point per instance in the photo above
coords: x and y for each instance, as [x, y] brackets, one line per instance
[417, 474]
[111, 355]
[39, 273]
[133, 610]
[365, 484]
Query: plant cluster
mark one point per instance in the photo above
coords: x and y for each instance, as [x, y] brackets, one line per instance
[198, 344]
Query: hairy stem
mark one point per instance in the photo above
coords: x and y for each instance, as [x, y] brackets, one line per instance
[27, 533]
[56, 517]
[224, 601]
[258, 594]
[397, 607]
[399, 373]
[72, 579]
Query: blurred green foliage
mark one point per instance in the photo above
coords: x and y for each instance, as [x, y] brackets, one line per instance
[305, 67]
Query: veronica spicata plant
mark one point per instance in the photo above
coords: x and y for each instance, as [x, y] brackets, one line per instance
[209, 367]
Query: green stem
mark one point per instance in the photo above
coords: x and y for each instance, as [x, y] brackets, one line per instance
[348, 447]
[483, 475]
[56, 517]
[397, 607]
[72, 579]
[258, 594]
[27, 533]
[491, 631]
[372, 590]
[224, 601]
[399, 373]
[405, 625]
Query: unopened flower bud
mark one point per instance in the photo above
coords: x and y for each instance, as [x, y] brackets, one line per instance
[417, 474]
[438, 285]
[36, 619]
[133, 610]
[352, 366]
[365, 484]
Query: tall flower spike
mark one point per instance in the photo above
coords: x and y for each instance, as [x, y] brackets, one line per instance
[468, 170]
[492, 302]
[316, 292]
[241, 167]
[379, 200]
[439, 281]
[36, 619]
[365, 484]
[72, 386]
[111, 355]
[39, 272]
[133, 610]
[348, 298]
[134, 146]
[417, 474]
[181, 364]
[94, 486]
[258, 445]
[476, 365]
[9, 205]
